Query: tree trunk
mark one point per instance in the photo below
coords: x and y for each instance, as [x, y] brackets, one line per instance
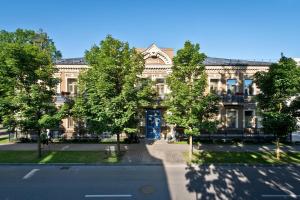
[39, 144]
[191, 147]
[277, 149]
[15, 132]
[118, 144]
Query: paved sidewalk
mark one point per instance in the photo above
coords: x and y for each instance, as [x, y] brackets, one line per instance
[60, 147]
[247, 147]
[154, 146]
[155, 153]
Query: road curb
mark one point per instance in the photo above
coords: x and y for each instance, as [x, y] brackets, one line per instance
[152, 164]
[246, 165]
[80, 164]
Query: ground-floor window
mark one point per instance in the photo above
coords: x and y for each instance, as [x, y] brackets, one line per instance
[231, 118]
[70, 122]
[249, 119]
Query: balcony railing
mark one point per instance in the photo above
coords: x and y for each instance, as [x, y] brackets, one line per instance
[59, 99]
[63, 97]
[237, 99]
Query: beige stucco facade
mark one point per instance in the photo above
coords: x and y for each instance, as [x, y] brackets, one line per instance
[231, 79]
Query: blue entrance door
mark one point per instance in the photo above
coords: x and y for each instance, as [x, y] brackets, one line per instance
[153, 124]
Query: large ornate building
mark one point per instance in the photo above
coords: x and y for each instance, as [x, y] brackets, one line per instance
[231, 79]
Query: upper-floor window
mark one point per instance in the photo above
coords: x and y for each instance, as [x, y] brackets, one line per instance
[58, 88]
[160, 80]
[213, 85]
[72, 85]
[231, 86]
[70, 122]
[248, 87]
[160, 87]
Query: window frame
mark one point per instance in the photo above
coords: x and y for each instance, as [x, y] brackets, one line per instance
[244, 118]
[236, 118]
[236, 85]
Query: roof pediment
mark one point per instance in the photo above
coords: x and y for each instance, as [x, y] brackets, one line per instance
[154, 51]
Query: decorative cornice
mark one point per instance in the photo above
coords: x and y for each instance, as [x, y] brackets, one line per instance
[168, 68]
[154, 51]
[73, 67]
[241, 68]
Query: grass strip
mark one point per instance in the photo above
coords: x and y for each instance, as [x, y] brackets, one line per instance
[88, 157]
[4, 139]
[207, 157]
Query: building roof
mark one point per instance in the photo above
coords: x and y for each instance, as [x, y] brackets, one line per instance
[297, 61]
[209, 61]
[71, 61]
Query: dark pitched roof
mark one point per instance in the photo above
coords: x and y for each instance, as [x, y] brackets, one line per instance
[209, 61]
[71, 61]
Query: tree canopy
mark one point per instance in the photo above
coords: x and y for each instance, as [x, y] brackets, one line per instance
[189, 105]
[279, 97]
[27, 83]
[112, 89]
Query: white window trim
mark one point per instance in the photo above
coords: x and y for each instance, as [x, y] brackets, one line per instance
[244, 116]
[58, 88]
[253, 86]
[236, 85]
[236, 119]
[218, 84]
[66, 85]
[68, 123]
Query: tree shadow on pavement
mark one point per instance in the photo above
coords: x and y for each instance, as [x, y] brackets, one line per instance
[243, 181]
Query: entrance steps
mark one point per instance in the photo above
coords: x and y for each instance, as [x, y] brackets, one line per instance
[161, 141]
[153, 142]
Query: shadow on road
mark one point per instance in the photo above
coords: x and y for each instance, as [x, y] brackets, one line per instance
[243, 182]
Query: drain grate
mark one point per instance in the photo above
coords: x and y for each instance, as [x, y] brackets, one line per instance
[147, 189]
[64, 168]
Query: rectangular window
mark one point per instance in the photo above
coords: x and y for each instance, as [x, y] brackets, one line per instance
[248, 87]
[249, 119]
[213, 86]
[160, 89]
[70, 122]
[72, 86]
[231, 118]
[231, 86]
[58, 88]
[160, 80]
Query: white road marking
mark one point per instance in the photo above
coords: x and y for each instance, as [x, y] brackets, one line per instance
[280, 195]
[30, 174]
[65, 147]
[107, 195]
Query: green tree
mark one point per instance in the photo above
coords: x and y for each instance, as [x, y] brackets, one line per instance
[27, 83]
[111, 91]
[189, 106]
[277, 101]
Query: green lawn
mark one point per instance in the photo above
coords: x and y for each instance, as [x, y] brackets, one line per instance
[180, 142]
[4, 139]
[91, 157]
[244, 157]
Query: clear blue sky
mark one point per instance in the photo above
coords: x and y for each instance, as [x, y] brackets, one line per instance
[244, 29]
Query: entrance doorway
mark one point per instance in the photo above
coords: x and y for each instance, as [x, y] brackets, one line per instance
[153, 124]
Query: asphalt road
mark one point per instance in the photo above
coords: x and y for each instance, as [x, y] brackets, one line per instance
[149, 182]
